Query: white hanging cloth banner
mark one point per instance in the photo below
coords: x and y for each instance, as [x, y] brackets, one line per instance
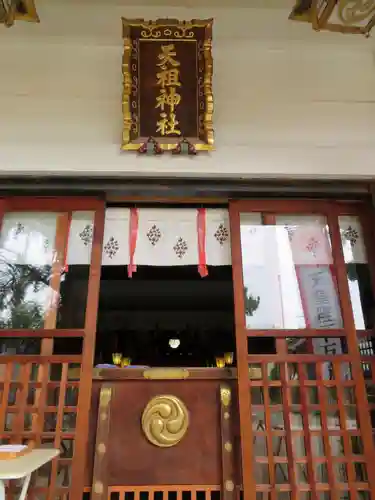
[154, 237]
[170, 237]
[146, 237]
[218, 247]
[80, 238]
[310, 245]
[28, 238]
[167, 237]
[352, 240]
[116, 237]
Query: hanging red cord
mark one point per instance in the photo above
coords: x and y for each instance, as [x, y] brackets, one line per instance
[65, 266]
[133, 235]
[201, 229]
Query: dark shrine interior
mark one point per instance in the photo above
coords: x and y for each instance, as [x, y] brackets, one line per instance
[140, 317]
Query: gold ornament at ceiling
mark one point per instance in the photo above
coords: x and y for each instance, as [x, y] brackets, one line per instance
[165, 421]
[17, 10]
[341, 16]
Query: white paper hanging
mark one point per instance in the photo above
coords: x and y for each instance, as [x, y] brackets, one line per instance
[309, 239]
[310, 246]
[218, 247]
[116, 237]
[80, 238]
[28, 238]
[352, 240]
[252, 240]
[167, 237]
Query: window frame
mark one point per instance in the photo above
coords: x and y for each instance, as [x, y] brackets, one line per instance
[268, 209]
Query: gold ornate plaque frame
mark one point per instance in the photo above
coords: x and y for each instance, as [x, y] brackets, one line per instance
[30, 14]
[22, 10]
[341, 16]
[165, 30]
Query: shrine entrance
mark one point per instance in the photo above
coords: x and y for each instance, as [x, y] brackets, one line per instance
[190, 352]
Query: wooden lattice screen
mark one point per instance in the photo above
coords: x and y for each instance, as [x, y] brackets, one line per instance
[307, 408]
[163, 492]
[306, 416]
[45, 395]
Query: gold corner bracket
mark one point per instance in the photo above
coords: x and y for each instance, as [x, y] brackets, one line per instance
[225, 395]
[18, 10]
[338, 16]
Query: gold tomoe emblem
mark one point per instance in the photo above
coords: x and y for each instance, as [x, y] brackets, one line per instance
[165, 421]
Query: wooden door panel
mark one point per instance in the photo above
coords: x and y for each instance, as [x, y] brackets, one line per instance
[45, 397]
[310, 431]
[133, 460]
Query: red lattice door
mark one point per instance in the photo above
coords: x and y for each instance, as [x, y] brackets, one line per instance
[304, 308]
[48, 311]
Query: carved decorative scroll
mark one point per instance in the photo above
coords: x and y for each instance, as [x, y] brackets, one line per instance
[343, 16]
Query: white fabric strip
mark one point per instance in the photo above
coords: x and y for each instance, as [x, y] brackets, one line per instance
[80, 238]
[309, 240]
[28, 238]
[116, 237]
[253, 240]
[218, 247]
[352, 240]
[166, 237]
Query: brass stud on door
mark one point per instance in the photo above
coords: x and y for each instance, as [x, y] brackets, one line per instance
[101, 448]
[98, 488]
[229, 485]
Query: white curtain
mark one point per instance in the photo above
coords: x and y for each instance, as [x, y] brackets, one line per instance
[165, 237]
[28, 238]
[352, 240]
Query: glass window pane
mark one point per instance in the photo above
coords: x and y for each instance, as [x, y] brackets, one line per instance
[358, 272]
[27, 251]
[29, 293]
[287, 273]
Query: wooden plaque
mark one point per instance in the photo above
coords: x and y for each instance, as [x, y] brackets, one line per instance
[167, 89]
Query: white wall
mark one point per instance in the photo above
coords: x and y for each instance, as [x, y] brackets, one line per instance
[288, 101]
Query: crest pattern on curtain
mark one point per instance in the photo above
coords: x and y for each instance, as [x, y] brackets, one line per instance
[165, 237]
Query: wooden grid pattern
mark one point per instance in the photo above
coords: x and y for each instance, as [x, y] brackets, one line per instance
[306, 420]
[163, 492]
[306, 430]
[42, 410]
[45, 398]
[368, 363]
